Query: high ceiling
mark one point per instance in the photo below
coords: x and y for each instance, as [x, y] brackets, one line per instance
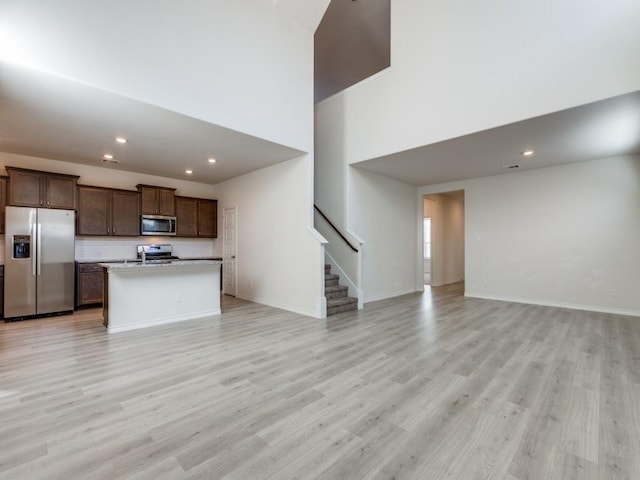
[602, 129]
[45, 116]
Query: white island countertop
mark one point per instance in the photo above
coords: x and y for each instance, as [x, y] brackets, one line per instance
[139, 295]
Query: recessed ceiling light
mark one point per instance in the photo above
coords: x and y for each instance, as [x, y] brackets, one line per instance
[121, 140]
[188, 172]
[107, 156]
[212, 160]
[528, 153]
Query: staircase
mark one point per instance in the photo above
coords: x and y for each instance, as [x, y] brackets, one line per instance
[336, 294]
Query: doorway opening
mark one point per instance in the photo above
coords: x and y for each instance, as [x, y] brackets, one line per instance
[426, 251]
[443, 259]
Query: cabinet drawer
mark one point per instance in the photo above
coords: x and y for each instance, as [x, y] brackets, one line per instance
[89, 267]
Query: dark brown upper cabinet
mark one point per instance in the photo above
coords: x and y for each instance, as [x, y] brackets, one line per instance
[196, 217]
[208, 218]
[157, 200]
[106, 211]
[31, 188]
[186, 217]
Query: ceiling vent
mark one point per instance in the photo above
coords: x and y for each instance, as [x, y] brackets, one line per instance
[510, 167]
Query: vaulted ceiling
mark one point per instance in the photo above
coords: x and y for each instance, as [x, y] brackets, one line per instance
[48, 116]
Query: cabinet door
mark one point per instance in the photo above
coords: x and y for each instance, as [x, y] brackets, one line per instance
[208, 218]
[125, 216]
[148, 201]
[166, 202]
[90, 284]
[3, 201]
[93, 211]
[25, 189]
[61, 192]
[186, 217]
[1, 290]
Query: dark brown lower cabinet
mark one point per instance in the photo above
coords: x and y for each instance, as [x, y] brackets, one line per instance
[1, 291]
[89, 284]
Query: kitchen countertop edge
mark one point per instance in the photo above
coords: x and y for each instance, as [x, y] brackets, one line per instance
[174, 263]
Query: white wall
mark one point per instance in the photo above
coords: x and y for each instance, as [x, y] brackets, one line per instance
[461, 67]
[565, 235]
[278, 253]
[330, 163]
[383, 213]
[447, 238]
[464, 66]
[243, 64]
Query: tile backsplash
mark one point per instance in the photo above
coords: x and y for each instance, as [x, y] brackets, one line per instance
[109, 248]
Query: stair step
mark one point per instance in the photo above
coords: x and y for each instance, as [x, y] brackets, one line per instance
[327, 268]
[340, 305]
[335, 291]
[330, 280]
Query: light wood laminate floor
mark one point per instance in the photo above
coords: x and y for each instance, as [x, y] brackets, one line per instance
[424, 386]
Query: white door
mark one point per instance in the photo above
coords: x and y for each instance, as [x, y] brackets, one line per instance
[229, 251]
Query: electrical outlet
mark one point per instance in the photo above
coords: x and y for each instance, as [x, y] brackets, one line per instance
[249, 284]
[614, 292]
[178, 298]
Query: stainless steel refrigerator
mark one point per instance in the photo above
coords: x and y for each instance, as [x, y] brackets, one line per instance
[39, 261]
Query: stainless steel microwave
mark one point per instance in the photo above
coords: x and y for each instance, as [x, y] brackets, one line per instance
[157, 225]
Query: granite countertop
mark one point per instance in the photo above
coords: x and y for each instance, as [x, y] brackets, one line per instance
[134, 260]
[108, 261]
[200, 258]
[171, 264]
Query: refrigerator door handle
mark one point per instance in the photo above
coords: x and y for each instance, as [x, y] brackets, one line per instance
[33, 257]
[39, 248]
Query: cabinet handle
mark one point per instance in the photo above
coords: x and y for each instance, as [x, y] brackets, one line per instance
[48, 203]
[108, 230]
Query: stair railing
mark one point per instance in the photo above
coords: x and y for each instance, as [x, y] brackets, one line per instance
[335, 229]
[343, 256]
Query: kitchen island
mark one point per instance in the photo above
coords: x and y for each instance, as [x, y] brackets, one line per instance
[139, 295]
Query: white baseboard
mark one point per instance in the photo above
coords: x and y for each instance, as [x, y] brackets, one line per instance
[281, 306]
[164, 321]
[385, 296]
[547, 303]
